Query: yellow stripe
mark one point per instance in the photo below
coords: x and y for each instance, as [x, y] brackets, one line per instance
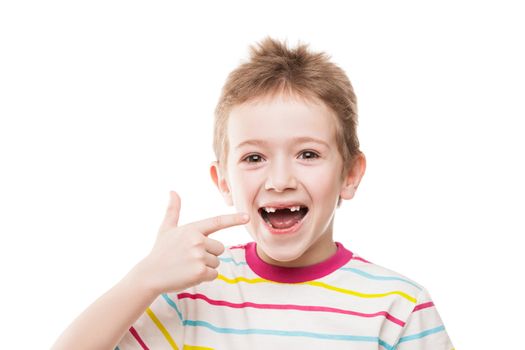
[358, 294]
[321, 285]
[193, 347]
[162, 328]
[243, 279]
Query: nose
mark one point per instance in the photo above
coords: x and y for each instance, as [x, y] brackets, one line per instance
[280, 177]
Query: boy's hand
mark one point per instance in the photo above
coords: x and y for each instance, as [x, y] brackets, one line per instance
[184, 256]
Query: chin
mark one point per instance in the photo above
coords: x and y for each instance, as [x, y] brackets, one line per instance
[279, 252]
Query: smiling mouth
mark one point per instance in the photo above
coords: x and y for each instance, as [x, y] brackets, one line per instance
[283, 218]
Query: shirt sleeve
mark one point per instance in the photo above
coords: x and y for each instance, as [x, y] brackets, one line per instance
[424, 329]
[159, 327]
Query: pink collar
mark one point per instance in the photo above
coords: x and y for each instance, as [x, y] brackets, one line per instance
[296, 274]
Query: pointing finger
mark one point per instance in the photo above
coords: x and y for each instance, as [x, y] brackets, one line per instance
[171, 219]
[208, 226]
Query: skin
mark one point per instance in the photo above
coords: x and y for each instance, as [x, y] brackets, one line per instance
[268, 162]
[184, 256]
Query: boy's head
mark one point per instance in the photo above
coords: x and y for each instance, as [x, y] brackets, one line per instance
[274, 69]
[287, 150]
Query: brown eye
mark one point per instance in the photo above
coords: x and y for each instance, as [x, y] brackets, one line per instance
[308, 155]
[253, 158]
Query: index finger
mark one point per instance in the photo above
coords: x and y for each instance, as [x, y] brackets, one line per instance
[210, 225]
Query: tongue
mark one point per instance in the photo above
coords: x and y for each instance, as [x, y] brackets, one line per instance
[284, 218]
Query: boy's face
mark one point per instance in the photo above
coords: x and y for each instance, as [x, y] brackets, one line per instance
[284, 169]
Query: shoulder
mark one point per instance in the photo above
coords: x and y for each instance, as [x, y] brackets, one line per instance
[377, 277]
[407, 302]
[421, 323]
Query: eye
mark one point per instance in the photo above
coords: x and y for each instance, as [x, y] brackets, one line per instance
[308, 155]
[253, 158]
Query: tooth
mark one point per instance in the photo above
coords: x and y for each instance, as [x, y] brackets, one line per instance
[269, 210]
[296, 208]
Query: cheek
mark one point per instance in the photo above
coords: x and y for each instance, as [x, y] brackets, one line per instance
[320, 187]
[244, 188]
[322, 183]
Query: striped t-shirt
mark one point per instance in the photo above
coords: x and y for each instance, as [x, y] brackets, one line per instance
[344, 302]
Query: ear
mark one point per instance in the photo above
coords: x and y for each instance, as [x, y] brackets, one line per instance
[353, 177]
[221, 183]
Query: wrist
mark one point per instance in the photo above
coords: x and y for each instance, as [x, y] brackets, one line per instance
[141, 279]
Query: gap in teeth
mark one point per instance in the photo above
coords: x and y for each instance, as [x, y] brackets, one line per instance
[272, 210]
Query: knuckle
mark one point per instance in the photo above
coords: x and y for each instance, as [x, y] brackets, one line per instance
[199, 246]
[211, 275]
[198, 255]
[197, 241]
[215, 262]
[201, 271]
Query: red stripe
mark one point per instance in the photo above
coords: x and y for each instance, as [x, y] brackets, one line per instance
[289, 307]
[238, 246]
[136, 335]
[423, 306]
[360, 259]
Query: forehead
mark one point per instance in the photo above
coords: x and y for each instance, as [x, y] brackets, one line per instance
[281, 119]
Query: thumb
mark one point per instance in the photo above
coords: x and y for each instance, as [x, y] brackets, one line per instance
[171, 218]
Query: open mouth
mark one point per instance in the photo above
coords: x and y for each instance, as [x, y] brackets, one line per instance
[283, 218]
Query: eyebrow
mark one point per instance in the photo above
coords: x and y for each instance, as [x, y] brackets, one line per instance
[303, 139]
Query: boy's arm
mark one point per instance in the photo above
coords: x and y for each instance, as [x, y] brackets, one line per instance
[105, 322]
[181, 257]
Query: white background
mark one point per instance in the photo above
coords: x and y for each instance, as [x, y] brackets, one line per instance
[107, 105]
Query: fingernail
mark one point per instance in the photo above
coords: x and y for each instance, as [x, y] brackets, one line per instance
[245, 216]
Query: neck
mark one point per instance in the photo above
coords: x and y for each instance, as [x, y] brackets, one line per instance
[321, 250]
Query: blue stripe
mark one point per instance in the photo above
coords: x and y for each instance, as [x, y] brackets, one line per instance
[386, 345]
[293, 333]
[285, 333]
[275, 332]
[422, 334]
[173, 305]
[230, 260]
[380, 278]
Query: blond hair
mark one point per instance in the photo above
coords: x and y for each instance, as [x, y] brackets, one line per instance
[273, 68]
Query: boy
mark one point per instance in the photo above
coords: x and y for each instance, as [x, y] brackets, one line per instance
[287, 155]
